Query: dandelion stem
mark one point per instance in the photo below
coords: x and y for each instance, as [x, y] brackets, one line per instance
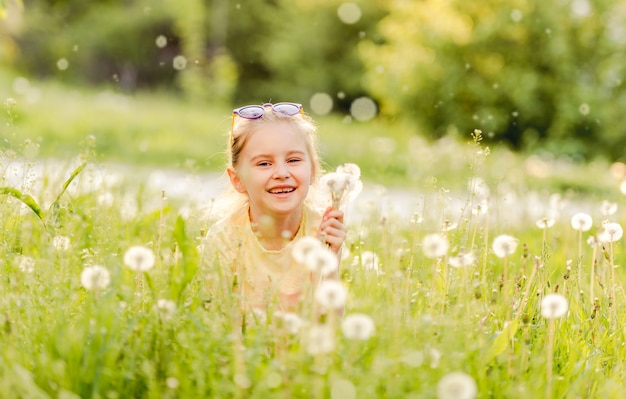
[549, 355]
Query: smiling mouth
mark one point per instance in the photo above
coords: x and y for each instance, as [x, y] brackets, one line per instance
[284, 190]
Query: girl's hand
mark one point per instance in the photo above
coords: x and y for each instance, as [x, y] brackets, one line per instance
[332, 229]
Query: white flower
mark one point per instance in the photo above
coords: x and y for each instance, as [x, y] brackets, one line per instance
[291, 322]
[343, 185]
[26, 263]
[369, 261]
[480, 208]
[95, 278]
[322, 261]
[357, 326]
[545, 223]
[166, 308]
[582, 221]
[331, 294]
[319, 340]
[462, 259]
[139, 258]
[435, 246]
[622, 187]
[303, 246]
[350, 169]
[61, 243]
[608, 208]
[504, 245]
[612, 232]
[457, 385]
[554, 306]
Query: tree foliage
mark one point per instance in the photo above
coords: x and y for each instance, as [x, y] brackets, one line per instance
[527, 72]
[530, 73]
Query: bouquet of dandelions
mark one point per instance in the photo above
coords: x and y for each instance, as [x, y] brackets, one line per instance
[343, 185]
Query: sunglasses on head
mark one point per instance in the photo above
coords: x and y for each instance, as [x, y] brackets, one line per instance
[257, 111]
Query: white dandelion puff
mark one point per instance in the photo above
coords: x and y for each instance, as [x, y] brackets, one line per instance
[303, 246]
[343, 185]
[582, 221]
[320, 340]
[504, 245]
[291, 322]
[95, 278]
[612, 232]
[457, 385]
[331, 294]
[322, 261]
[545, 223]
[435, 246]
[608, 208]
[25, 263]
[462, 259]
[554, 306]
[139, 258]
[166, 308]
[369, 261]
[61, 243]
[357, 326]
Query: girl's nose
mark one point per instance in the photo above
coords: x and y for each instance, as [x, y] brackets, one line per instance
[281, 171]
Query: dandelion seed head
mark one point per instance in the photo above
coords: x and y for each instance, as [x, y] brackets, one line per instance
[61, 243]
[582, 221]
[462, 259]
[166, 308]
[350, 169]
[95, 278]
[612, 232]
[435, 246]
[319, 340]
[139, 258]
[608, 208]
[622, 187]
[554, 306]
[291, 322]
[303, 246]
[457, 385]
[322, 261]
[357, 326]
[545, 223]
[331, 294]
[369, 261]
[504, 245]
[25, 263]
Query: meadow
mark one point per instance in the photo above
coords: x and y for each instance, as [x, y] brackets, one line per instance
[453, 294]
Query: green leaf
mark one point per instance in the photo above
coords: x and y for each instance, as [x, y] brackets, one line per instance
[503, 339]
[67, 183]
[190, 258]
[26, 199]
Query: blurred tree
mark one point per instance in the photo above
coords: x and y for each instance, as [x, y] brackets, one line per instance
[527, 72]
[291, 49]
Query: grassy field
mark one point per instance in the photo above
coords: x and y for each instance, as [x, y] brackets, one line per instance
[457, 313]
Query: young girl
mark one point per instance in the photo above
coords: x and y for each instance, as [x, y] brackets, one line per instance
[273, 164]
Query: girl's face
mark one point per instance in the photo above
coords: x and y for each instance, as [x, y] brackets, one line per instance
[275, 171]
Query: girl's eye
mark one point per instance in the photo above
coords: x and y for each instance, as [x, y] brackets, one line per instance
[264, 163]
[294, 160]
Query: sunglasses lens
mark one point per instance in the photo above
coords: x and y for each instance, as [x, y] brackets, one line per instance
[287, 108]
[250, 112]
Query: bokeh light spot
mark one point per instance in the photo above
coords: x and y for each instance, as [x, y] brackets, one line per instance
[363, 109]
[349, 13]
[321, 103]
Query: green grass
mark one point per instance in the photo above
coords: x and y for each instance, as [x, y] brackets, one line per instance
[60, 340]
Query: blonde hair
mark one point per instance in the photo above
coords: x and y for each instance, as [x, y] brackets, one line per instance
[232, 200]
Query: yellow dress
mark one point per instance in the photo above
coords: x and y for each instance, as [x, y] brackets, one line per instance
[260, 278]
